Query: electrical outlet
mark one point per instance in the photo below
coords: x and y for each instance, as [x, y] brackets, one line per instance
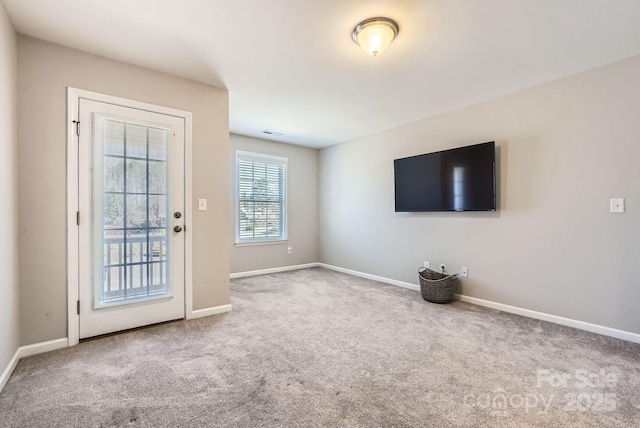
[616, 205]
[464, 272]
[427, 264]
[289, 250]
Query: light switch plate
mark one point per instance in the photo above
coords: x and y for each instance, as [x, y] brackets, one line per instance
[202, 204]
[617, 205]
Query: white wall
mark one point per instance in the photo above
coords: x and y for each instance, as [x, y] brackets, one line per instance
[302, 208]
[564, 149]
[9, 302]
[45, 70]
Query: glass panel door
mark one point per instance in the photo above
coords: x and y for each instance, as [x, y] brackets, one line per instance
[131, 225]
[131, 201]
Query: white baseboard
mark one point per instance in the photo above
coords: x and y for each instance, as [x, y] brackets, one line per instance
[27, 351]
[582, 325]
[372, 277]
[6, 374]
[215, 310]
[272, 270]
[42, 347]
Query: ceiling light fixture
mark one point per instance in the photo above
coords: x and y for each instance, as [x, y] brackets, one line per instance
[374, 35]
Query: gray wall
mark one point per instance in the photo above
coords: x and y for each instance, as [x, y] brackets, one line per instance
[9, 303]
[565, 148]
[302, 212]
[44, 72]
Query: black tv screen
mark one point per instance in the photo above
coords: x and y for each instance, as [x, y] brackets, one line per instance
[460, 179]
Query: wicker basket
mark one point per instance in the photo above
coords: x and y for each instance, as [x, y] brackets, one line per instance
[436, 287]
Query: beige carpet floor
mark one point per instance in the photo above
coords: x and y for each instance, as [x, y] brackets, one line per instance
[316, 348]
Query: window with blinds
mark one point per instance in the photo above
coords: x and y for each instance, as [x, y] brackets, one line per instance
[261, 198]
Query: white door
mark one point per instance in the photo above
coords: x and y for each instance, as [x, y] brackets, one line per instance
[131, 214]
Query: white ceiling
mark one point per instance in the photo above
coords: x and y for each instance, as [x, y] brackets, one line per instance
[290, 65]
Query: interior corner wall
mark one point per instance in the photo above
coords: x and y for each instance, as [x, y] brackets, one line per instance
[9, 302]
[564, 149]
[45, 70]
[302, 208]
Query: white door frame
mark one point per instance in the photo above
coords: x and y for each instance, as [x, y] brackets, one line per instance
[73, 250]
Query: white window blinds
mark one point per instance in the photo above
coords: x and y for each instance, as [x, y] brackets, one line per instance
[261, 198]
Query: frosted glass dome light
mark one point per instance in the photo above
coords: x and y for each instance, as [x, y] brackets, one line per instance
[374, 35]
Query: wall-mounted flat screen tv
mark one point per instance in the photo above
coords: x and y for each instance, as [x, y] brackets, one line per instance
[460, 179]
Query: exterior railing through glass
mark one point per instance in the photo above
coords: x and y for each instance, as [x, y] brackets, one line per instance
[135, 266]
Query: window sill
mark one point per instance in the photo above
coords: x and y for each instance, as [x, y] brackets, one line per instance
[252, 243]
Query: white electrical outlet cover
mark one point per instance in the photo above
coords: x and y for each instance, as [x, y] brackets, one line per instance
[617, 205]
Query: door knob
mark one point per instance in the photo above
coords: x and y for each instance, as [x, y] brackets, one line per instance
[177, 229]
[177, 214]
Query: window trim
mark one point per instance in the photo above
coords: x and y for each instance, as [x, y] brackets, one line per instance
[261, 157]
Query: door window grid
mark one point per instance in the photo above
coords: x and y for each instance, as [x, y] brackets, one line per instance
[134, 228]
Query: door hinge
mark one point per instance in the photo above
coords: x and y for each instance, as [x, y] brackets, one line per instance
[78, 307]
[78, 218]
[77, 122]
